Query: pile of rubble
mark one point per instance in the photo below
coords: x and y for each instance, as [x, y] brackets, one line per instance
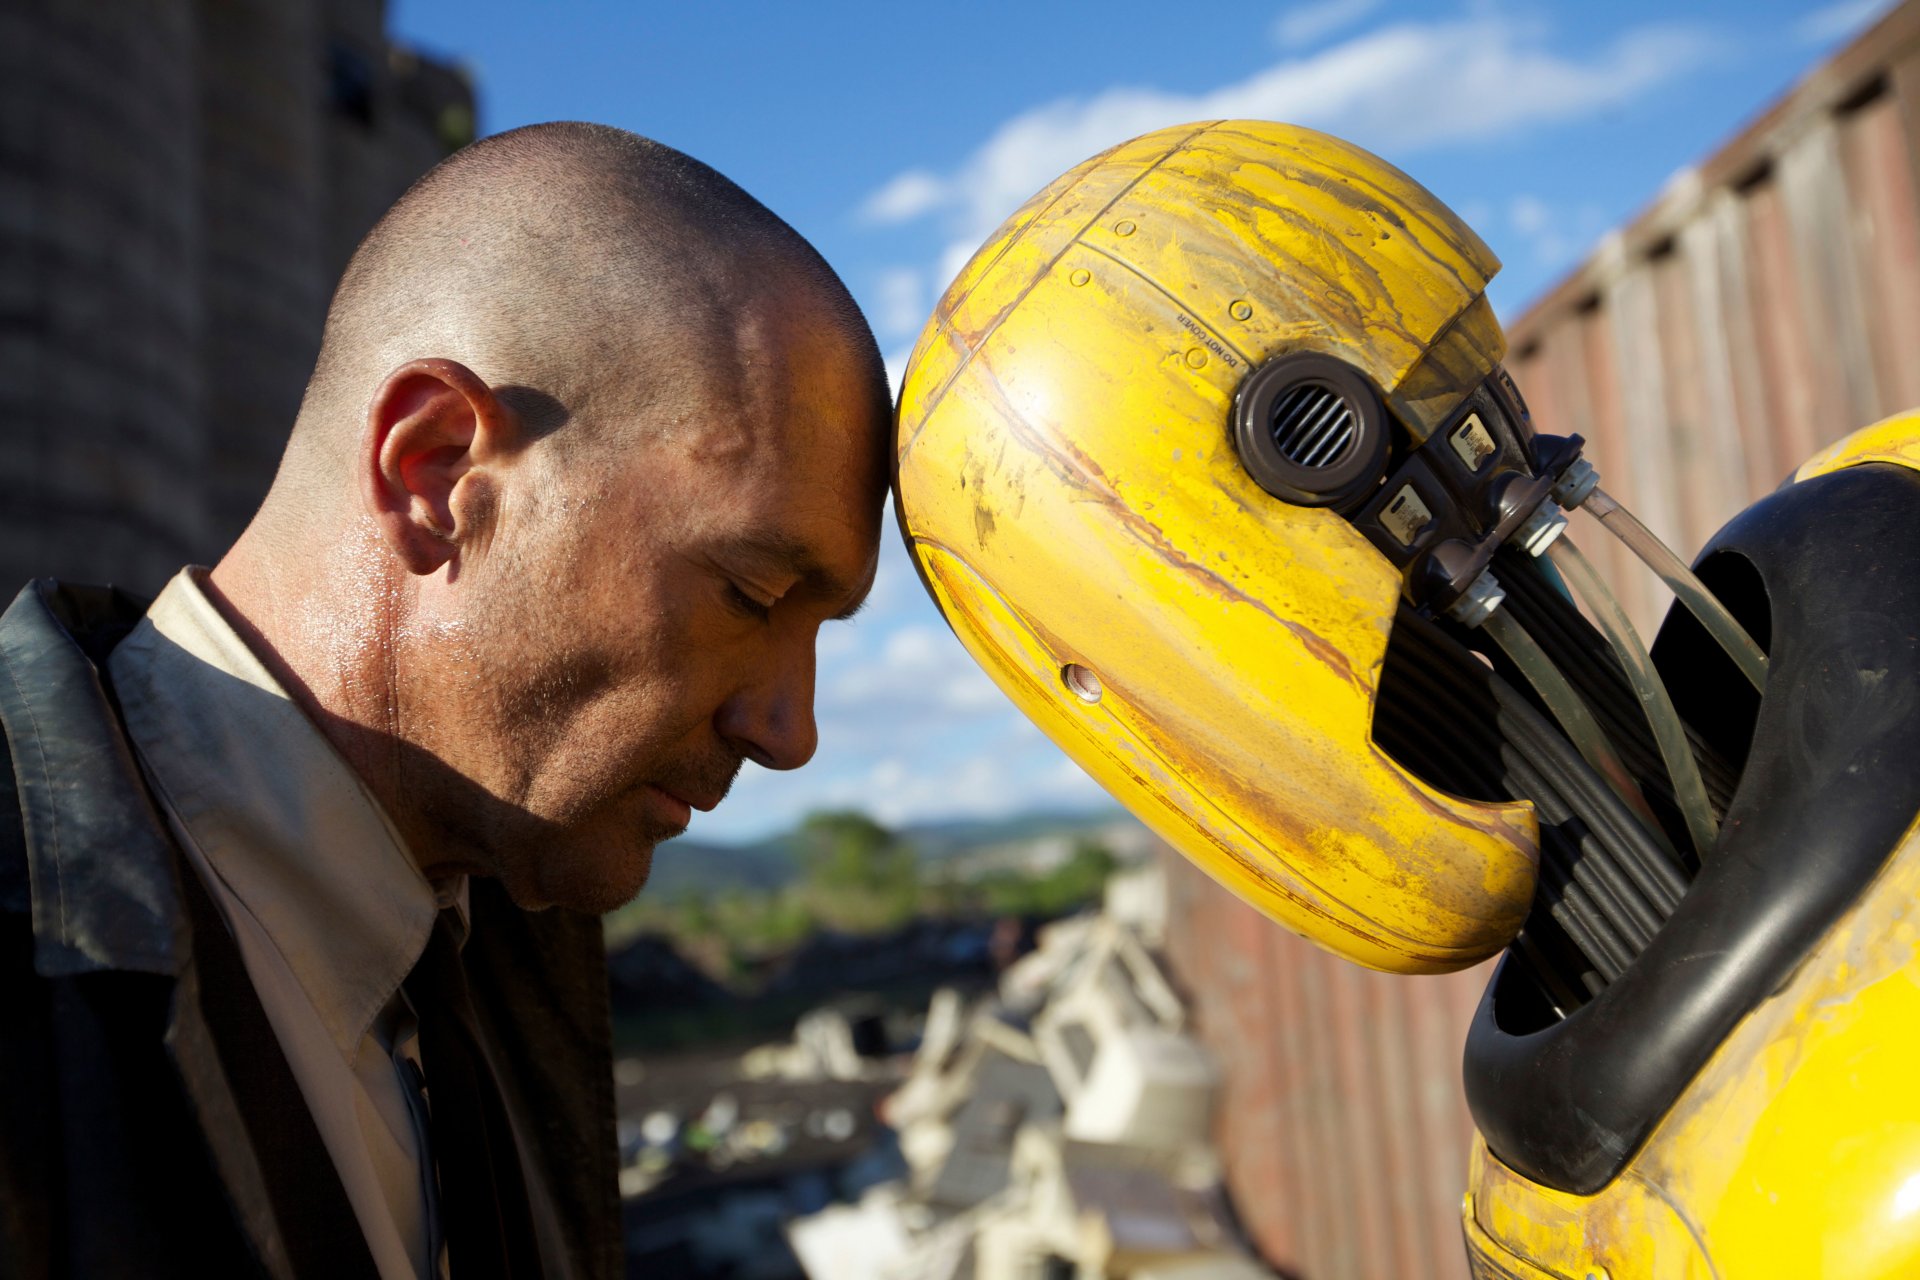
[719, 1154]
[1059, 1128]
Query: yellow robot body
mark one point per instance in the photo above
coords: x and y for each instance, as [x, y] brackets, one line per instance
[1046, 499]
[1710, 1074]
[1795, 1151]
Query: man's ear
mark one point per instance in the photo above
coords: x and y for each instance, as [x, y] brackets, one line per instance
[431, 424]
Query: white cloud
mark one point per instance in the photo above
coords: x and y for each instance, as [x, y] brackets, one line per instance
[1395, 89]
[1475, 212]
[1555, 238]
[904, 198]
[911, 729]
[920, 670]
[835, 643]
[919, 769]
[992, 783]
[954, 257]
[1840, 20]
[1307, 23]
[896, 362]
[896, 585]
[1530, 215]
[912, 650]
[899, 306]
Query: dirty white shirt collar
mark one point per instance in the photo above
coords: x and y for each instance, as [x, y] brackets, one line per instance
[327, 907]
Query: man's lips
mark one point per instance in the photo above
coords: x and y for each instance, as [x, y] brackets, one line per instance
[677, 812]
[681, 806]
[705, 802]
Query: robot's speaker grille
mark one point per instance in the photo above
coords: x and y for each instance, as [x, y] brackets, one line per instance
[1314, 426]
[1311, 429]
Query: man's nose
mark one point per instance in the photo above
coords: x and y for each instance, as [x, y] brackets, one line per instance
[769, 718]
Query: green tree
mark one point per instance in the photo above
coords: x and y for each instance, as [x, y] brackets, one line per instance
[858, 874]
[1073, 884]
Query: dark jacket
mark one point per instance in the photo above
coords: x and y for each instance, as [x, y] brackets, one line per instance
[134, 1139]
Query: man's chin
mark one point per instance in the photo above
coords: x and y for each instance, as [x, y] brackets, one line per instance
[593, 879]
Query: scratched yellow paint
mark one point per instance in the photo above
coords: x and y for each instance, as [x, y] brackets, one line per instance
[1067, 486]
[1894, 440]
[1795, 1153]
[1067, 483]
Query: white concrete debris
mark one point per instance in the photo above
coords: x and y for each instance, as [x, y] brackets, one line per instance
[865, 1239]
[1059, 1128]
[822, 1049]
[1137, 898]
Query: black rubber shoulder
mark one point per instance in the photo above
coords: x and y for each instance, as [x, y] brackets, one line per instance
[1829, 787]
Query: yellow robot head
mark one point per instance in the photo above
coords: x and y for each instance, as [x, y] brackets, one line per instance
[1140, 464]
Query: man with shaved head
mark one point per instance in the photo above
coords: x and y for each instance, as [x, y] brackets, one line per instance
[594, 446]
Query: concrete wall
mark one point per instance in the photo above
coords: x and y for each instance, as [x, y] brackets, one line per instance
[1766, 304]
[100, 313]
[180, 185]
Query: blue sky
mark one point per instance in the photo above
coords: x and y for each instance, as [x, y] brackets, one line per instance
[895, 136]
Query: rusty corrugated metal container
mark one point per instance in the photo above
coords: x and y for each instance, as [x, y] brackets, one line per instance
[1766, 304]
[1342, 1123]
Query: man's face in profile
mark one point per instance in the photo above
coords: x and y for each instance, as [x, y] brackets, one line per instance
[647, 618]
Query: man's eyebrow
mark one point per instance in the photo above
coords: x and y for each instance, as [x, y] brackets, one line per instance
[778, 551]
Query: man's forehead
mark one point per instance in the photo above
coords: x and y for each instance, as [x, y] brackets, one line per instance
[783, 451]
[788, 404]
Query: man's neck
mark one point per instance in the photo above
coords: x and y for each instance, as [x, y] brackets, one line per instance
[325, 631]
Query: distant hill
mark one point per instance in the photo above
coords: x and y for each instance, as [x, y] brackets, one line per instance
[690, 866]
[682, 867]
[938, 841]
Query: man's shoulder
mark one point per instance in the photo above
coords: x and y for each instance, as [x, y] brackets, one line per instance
[85, 853]
[90, 618]
[16, 887]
